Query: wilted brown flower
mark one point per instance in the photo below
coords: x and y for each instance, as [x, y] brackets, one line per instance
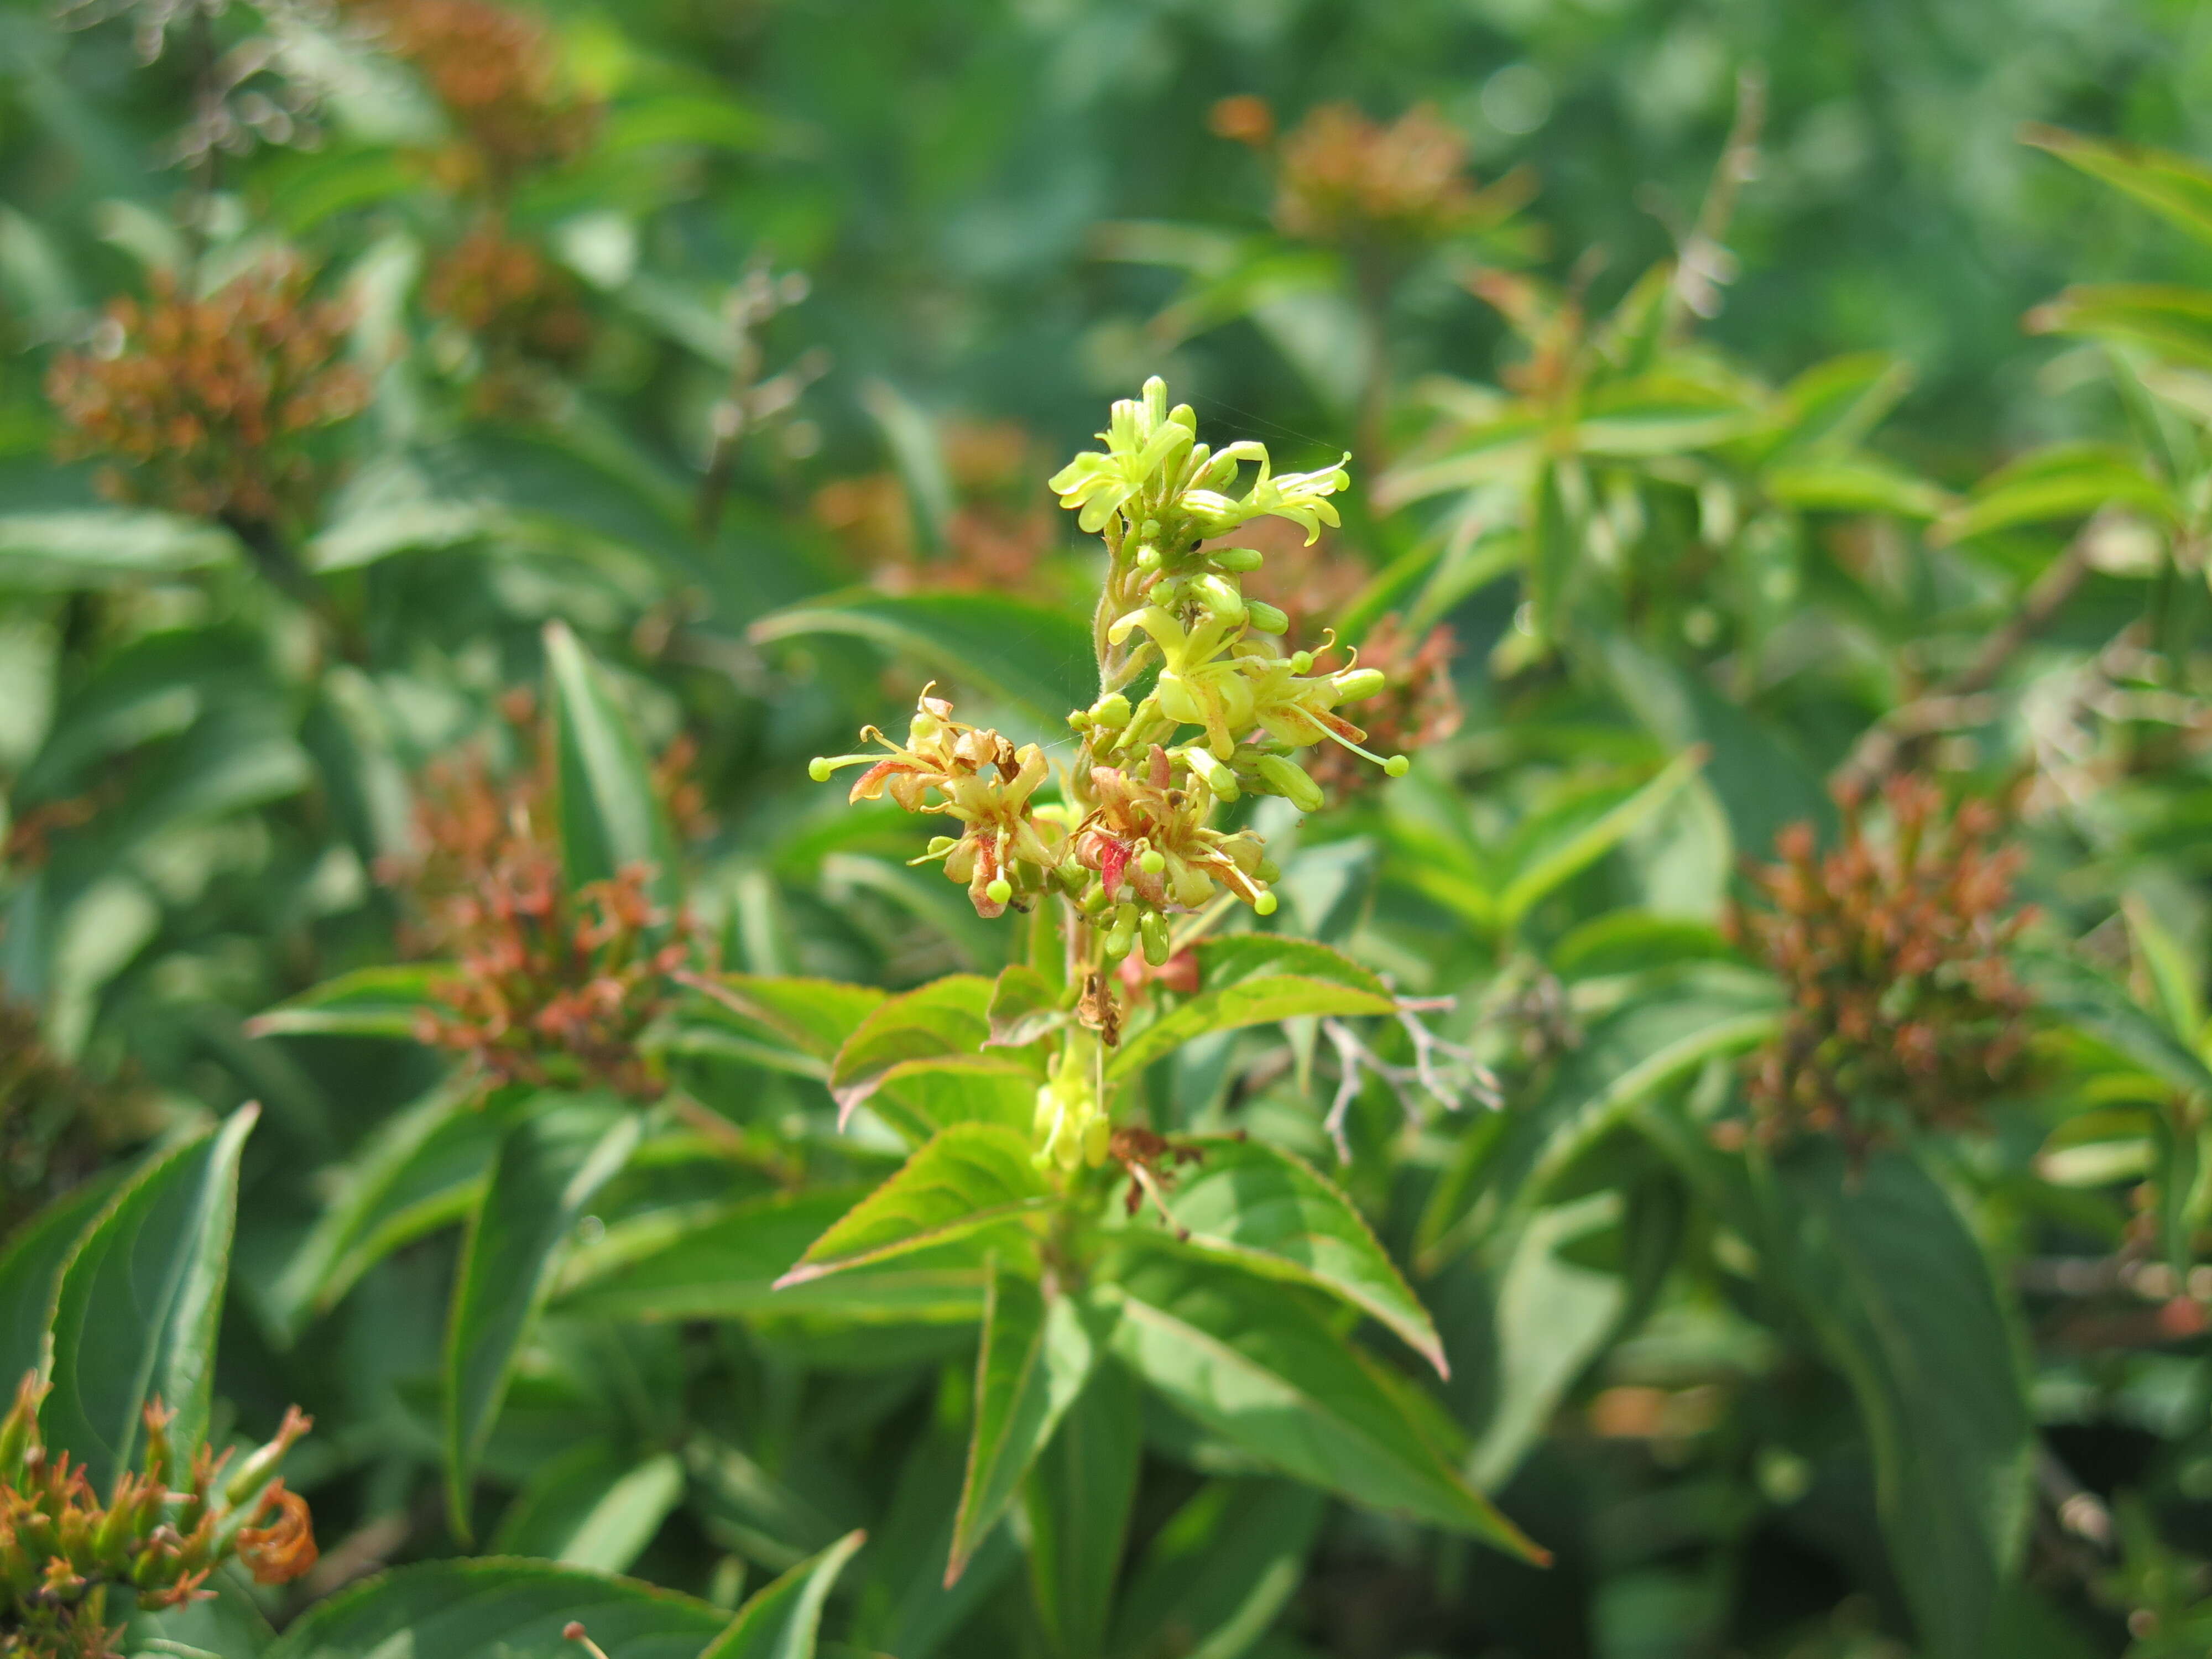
[1343, 177]
[496, 72]
[553, 986]
[283, 1548]
[1892, 950]
[211, 405]
[996, 536]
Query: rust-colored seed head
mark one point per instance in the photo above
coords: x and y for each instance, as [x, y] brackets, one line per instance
[1346, 177]
[209, 406]
[1892, 949]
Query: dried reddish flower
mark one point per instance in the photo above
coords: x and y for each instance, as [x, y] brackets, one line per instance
[553, 987]
[520, 306]
[283, 1548]
[1242, 118]
[209, 406]
[996, 537]
[1902, 1003]
[496, 72]
[1343, 177]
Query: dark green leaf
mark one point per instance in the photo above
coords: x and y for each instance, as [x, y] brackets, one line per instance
[385, 1001]
[1037, 1354]
[139, 1301]
[1546, 866]
[1880, 1264]
[1215, 1577]
[1078, 1501]
[1256, 1361]
[598, 1506]
[783, 1621]
[30, 1274]
[499, 1609]
[549, 1168]
[609, 816]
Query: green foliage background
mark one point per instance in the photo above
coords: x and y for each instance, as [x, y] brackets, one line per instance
[1949, 1396]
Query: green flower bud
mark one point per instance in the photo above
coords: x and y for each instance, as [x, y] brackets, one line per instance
[1094, 899]
[1289, 780]
[940, 845]
[1211, 772]
[1154, 927]
[1236, 558]
[1183, 414]
[1078, 720]
[1111, 711]
[1353, 684]
[1148, 557]
[1265, 618]
[1119, 937]
[1220, 595]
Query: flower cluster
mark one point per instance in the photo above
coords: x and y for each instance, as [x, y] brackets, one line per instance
[1199, 704]
[1892, 950]
[162, 1530]
[517, 303]
[552, 987]
[496, 72]
[211, 405]
[1342, 177]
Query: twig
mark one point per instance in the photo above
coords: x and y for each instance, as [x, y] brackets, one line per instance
[1702, 261]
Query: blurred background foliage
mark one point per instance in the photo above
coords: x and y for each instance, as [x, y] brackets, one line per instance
[1680, 351]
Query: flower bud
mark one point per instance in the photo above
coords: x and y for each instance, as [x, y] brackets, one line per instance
[1220, 595]
[1266, 618]
[1354, 684]
[1184, 416]
[1289, 780]
[1211, 772]
[1094, 899]
[1123, 934]
[1148, 557]
[262, 1464]
[1110, 711]
[1154, 927]
[1236, 558]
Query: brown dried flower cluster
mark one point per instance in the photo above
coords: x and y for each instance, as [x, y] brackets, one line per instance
[1903, 1005]
[517, 302]
[159, 1534]
[496, 72]
[996, 537]
[553, 987]
[1342, 177]
[1418, 706]
[211, 405]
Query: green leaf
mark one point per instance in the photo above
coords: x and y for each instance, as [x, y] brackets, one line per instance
[609, 817]
[2166, 964]
[1555, 545]
[1852, 483]
[1882, 1266]
[2170, 320]
[918, 1097]
[30, 1275]
[968, 1178]
[2063, 482]
[2076, 993]
[1037, 1354]
[1558, 862]
[491, 1608]
[1215, 1576]
[2176, 188]
[385, 1001]
[598, 1506]
[1024, 1006]
[137, 1306]
[50, 551]
[784, 1621]
[550, 1167]
[814, 1016]
[948, 1016]
[1039, 660]
[1078, 1501]
[420, 1169]
[1274, 1214]
[1255, 1361]
[1255, 980]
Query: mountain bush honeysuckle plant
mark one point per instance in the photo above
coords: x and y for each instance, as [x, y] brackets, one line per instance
[1234, 1308]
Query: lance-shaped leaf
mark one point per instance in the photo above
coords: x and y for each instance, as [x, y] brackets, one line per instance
[1555, 861]
[918, 1097]
[422, 1169]
[377, 1002]
[1258, 1362]
[1256, 980]
[610, 817]
[549, 1168]
[969, 1177]
[948, 1016]
[814, 1016]
[138, 1304]
[784, 1620]
[2074, 992]
[597, 1505]
[1078, 1501]
[1889, 1276]
[499, 1609]
[1214, 1577]
[1274, 1214]
[31, 1273]
[2063, 482]
[103, 545]
[1037, 1354]
[1023, 1007]
[1038, 659]
[2176, 187]
[2173, 320]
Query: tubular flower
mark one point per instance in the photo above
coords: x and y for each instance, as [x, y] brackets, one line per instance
[980, 779]
[1150, 838]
